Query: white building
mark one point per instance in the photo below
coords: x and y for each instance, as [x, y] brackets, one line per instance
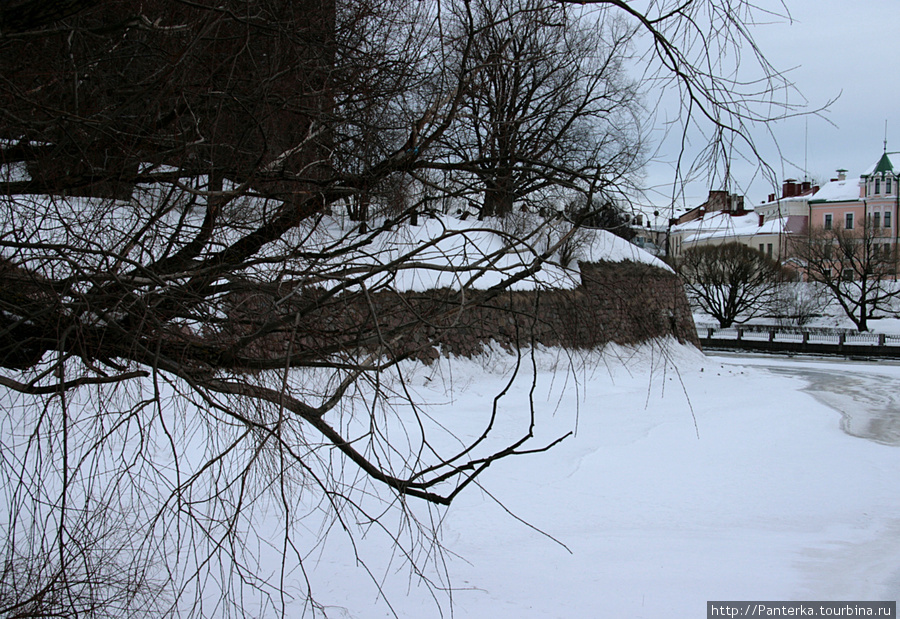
[766, 228]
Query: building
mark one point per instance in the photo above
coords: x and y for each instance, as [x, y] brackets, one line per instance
[853, 225]
[651, 230]
[212, 94]
[722, 227]
[792, 205]
[869, 202]
[767, 227]
[710, 222]
[717, 202]
[724, 219]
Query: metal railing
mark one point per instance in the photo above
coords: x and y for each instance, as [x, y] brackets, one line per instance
[796, 335]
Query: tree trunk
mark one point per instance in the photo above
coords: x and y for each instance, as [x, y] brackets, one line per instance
[499, 196]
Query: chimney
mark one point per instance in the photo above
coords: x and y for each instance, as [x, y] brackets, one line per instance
[789, 188]
[717, 201]
[842, 174]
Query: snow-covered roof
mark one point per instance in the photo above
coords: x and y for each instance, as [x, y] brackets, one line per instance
[787, 201]
[722, 225]
[777, 225]
[881, 166]
[838, 191]
[712, 221]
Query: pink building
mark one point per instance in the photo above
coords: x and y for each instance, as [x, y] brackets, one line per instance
[860, 209]
[871, 200]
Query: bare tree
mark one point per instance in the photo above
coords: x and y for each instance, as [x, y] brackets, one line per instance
[798, 303]
[711, 80]
[857, 267]
[606, 214]
[549, 104]
[189, 344]
[731, 282]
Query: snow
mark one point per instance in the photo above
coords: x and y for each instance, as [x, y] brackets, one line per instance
[786, 202]
[445, 251]
[14, 172]
[604, 245]
[870, 170]
[833, 318]
[689, 479]
[724, 225]
[833, 191]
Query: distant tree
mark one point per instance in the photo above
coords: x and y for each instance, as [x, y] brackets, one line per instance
[798, 303]
[603, 213]
[729, 281]
[857, 267]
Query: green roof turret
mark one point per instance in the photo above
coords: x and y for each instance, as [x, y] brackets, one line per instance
[884, 165]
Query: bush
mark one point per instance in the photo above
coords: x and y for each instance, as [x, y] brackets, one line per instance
[797, 303]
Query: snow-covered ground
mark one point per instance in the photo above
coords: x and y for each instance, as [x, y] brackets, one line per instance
[689, 479]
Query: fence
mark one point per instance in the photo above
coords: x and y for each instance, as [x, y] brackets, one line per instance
[794, 340]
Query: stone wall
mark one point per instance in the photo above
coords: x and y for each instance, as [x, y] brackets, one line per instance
[621, 302]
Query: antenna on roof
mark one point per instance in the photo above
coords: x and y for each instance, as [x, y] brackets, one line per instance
[806, 151]
[885, 135]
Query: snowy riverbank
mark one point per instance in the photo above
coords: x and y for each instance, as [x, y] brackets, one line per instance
[723, 479]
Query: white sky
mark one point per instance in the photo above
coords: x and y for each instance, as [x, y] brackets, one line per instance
[833, 48]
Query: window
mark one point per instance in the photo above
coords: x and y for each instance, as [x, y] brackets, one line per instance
[887, 185]
[847, 275]
[826, 251]
[762, 248]
[876, 220]
[877, 186]
[769, 250]
[828, 221]
[848, 221]
[887, 219]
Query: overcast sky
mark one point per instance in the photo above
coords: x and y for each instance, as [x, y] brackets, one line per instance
[837, 49]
